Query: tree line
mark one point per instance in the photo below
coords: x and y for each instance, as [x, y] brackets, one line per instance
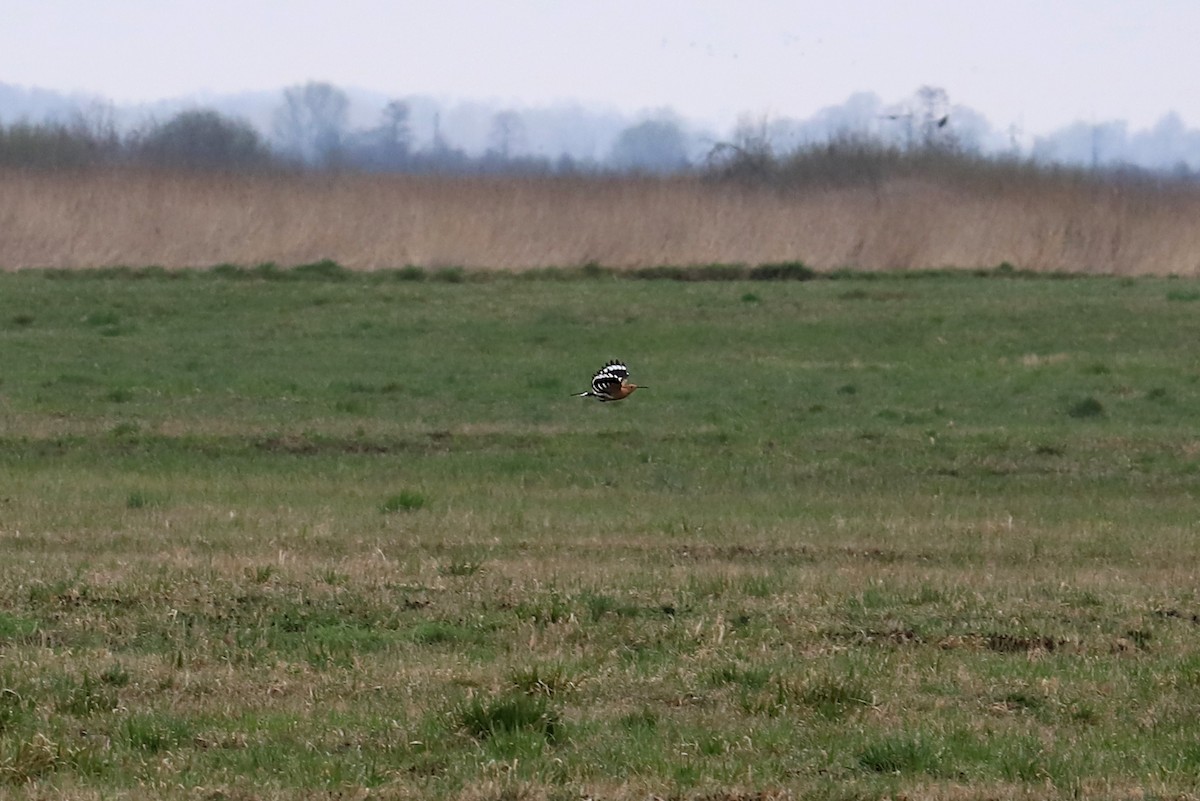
[310, 130]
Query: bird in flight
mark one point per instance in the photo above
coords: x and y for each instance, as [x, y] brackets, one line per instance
[611, 383]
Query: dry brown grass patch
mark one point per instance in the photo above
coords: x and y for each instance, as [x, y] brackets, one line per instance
[130, 217]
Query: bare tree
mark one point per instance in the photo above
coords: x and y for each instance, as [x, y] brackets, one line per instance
[96, 122]
[395, 133]
[749, 153]
[311, 123]
[932, 116]
[507, 134]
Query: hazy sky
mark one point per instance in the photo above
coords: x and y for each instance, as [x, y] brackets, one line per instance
[1038, 64]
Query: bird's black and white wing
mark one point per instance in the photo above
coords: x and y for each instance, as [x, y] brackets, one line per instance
[609, 377]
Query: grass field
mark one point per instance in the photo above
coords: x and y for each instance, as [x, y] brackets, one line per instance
[317, 534]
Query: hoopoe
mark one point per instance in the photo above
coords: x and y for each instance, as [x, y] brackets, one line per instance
[611, 383]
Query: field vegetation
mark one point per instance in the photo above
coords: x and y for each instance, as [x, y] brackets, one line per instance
[846, 205]
[315, 533]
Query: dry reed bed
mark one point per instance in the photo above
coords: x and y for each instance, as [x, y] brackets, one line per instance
[138, 218]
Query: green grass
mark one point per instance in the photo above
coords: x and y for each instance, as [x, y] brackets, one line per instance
[301, 533]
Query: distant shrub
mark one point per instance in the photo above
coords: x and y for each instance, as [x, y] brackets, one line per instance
[833, 698]
[696, 272]
[1007, 269]
[594, 270]
[512, 713]
[659, 273]
[746, 677]
[260, 574]
[102, 318]
[153, 733]
[16, 629]
[783, 271]
[323, 270]
[406, 501]
[441, 632]
[137, 500]
[643, 719]
[56, 145]
[450, 275]
[541, 679]
[84, 697]
[409, 272]
[1088, 407]
[461, 567]
[115, 675]
[720, 272]
[227, 270]
[897, 754]
[14, 709]
[268, 271]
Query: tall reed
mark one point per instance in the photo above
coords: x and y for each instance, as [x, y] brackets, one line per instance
[92, 218]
